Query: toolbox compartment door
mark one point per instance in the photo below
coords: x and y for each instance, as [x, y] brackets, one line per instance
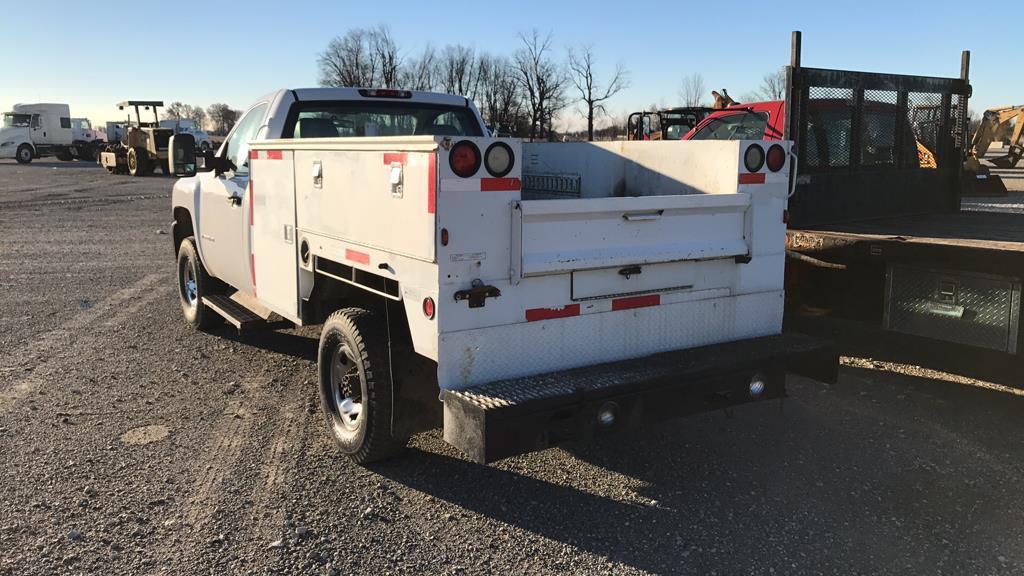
[274, 252]
[563, 236]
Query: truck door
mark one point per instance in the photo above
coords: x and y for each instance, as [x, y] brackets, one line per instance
[38, 130]
[224, 208]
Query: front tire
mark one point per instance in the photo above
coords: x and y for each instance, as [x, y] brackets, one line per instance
[24, 154]
[355, 385]
[138, 161]
[193, 284]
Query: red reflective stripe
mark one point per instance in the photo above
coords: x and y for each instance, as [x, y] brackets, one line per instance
[755, 178]
[275, 155]
[636, 302]
[360, 257]
[432, 184]
[254, 154]
[392, 157]
[252, 202]
[498, 184]
[534, 314]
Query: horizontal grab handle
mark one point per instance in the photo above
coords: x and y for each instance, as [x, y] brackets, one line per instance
[643, 216]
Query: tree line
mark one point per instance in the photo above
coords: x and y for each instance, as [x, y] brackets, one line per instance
[521, 94]
[221, 116]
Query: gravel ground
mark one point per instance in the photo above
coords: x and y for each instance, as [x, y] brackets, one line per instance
[134, 445]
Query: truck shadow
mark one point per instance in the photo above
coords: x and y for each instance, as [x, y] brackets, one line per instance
[286, 342]
[41, 164]
[742, 494]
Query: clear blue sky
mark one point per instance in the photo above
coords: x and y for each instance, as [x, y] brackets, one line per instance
[254, 47]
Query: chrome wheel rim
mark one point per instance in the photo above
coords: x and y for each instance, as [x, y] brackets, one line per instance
[26, 154]
[189, 289]
[346, 385]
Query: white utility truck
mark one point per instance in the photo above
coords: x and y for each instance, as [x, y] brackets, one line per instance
[185, 125]
[625, 282]
[36, 130]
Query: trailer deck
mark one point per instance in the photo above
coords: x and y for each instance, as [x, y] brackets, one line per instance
[957, 236]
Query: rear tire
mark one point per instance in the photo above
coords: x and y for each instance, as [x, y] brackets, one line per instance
[355, 385]
[193, 284]
[24, 154]
[64, 155]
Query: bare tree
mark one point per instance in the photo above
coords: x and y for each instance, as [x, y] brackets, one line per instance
[592, 94]
[498, 94]
[692, 90]
[362, 57]
[421, 73]
[542, 82]
[773, 86]
[457, 70]
[223, 117]
[385, 53]
[197, 115]
[176, 111]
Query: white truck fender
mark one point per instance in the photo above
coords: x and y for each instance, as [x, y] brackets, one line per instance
[185, 194]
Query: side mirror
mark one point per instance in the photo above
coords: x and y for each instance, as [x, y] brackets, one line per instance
[182, 155]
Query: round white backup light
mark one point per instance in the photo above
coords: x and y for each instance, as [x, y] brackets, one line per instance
[499, 159]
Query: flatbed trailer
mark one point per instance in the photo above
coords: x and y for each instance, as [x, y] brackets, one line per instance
[883, 244]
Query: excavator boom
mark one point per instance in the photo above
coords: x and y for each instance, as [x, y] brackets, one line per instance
[994, 123]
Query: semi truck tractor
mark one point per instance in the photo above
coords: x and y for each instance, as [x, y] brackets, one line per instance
[517, 295]
[32, 131]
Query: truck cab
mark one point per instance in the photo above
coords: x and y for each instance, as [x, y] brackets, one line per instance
[36, 130]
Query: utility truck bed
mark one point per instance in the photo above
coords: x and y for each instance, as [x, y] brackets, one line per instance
[436, 277]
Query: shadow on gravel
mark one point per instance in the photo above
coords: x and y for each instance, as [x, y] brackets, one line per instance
[561, 513]
[53, 164]
[289, 344]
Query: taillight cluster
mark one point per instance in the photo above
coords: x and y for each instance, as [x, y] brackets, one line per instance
[465, 159]
[755, 158]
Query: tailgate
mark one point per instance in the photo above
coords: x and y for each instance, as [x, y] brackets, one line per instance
[562, 236]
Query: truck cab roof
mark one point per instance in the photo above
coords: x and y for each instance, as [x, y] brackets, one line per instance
[316, 94]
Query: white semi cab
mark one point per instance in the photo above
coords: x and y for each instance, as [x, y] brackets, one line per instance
[520, 295]
[36, 130]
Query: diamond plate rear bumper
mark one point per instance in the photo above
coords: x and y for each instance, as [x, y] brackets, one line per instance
[507, 417]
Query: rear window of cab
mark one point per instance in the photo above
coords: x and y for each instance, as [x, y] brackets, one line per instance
[737, 126]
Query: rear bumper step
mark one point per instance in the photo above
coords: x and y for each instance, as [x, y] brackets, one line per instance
[508, 417]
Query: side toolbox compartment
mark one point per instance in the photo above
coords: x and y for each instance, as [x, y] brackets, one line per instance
[964, 308]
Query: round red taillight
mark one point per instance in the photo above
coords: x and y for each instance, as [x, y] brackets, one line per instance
[444, 236]
[776, 158]
[464, 159]
[428, 307]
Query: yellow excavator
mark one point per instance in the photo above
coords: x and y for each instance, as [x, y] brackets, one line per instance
[995, 125]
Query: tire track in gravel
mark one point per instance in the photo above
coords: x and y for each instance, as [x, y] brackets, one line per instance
[39, 354]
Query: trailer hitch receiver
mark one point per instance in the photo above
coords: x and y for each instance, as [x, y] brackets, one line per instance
[477, 294]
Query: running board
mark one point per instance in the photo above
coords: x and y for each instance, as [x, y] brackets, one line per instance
[240, 316]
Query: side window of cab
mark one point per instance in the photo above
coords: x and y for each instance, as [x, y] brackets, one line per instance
[236, 147]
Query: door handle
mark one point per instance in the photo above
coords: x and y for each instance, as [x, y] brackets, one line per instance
[643, 216]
